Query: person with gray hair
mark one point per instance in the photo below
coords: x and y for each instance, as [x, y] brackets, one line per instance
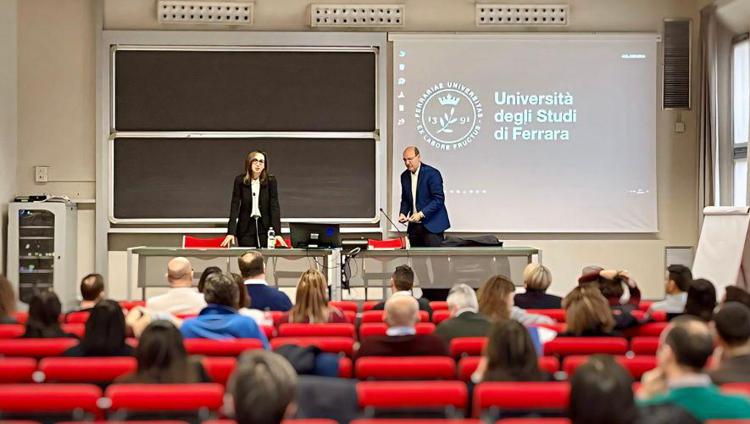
[220, 319]
[181, 298]
[465, 320]
[263, 388]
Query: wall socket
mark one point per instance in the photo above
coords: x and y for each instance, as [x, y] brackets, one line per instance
[41, 174]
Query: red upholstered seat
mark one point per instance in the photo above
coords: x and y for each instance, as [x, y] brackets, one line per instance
[346, 368]
[379, 328]
[219, 368]
[534, 421]
[736, 388]
[343, 345]
[228, 347]
[11, 331]
[564, 346]
[198, 242]
[77, 317]
[440, 315]
[468, 364]
[412, 394]
[556, 314]
[379, 316]
[316, 330]
[652, 329]
[76, 329]
[643, 305]
[413, 421]
[368, 305]
[644, 345]
[269, 331]
[165, 397]
[17, 370]
[636, 365]
[49, 398]
[344, 305]
[21, 317]
[521, 396]
[86, 370]
[291, 421]
[559, 327]
[439, 305]
[130, 304]
[406, 368]
[36, 348]
[396, 243]
[467, 346]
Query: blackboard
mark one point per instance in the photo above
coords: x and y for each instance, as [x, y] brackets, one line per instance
[166, 178]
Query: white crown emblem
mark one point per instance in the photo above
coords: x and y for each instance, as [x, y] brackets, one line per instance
[449, 100]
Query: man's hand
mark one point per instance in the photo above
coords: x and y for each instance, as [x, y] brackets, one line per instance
[417, 217]
[653, 382]
[402, 218]
[228, 241]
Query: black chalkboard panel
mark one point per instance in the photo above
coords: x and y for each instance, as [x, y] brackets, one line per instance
[244, 91]
[192, 178]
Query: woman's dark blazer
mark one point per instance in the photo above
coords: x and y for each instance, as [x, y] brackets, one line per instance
[240, 221]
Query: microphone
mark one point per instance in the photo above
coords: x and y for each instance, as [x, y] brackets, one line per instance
[400, 233]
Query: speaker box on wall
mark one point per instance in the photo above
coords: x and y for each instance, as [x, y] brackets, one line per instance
[676, 75]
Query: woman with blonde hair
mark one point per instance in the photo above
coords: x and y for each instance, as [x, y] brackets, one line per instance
[537, 279]
[311, 302]
[587, 313]
[496, 302]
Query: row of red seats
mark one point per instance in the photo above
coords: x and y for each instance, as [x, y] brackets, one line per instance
[390, 421]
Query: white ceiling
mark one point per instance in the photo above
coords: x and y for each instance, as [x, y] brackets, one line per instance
[735, 14]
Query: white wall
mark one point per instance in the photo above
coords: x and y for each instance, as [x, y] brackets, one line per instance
[8, 114]
[57, 127]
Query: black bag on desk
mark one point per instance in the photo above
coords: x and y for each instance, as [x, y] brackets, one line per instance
[472, 241]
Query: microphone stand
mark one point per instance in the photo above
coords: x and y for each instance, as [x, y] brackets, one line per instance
[257, 234]
[400, 233]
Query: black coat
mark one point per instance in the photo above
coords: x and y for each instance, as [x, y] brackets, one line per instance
[240, 222]
[468, 324]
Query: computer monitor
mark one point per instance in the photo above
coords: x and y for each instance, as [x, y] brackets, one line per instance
[311, 236]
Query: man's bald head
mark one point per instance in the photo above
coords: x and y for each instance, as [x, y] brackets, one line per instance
[401, 310]
[690, 342]
[180, 272]
[411, 157]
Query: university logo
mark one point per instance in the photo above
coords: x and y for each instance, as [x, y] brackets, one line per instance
[449, 115]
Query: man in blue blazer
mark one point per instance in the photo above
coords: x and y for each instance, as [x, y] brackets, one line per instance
[422, 201]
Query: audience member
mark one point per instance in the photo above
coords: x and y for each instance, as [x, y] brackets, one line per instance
[684, 348]
[537, 279]
[737, 294]
[243, 305]
[587, 313]
[402, 282]
[105, 333]
[44, 316]
[601, 391]
[311, 302]
[7, 302]
[496, 303]
[206, 272]
[610, 284]
[181, 298]
[262, 296]
[401, 339]
[465, 320]
[509, 355]
[732, 336]
[92, 291]
[678, 281]
[701, 300]
[162, 358]
[264, 388]
[219, 319]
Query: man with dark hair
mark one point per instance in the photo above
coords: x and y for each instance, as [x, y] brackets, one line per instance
[684, 349]
[732, 336]
[676, 286]
[219, 319]
[262, 296]
[264, 388]
[92, 291]
[402, 283]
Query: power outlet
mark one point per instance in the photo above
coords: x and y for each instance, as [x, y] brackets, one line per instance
[41, 174]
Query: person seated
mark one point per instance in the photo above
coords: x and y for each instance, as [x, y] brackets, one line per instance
[701, 300]
[678, 281]
[510, 355]
[402, 282]
[263, 387]
[311, 302]
[401, 339]
[679, 378]
[262, 296]
[732, 336]
[162, 358]
[92, 291]
[610, 284]
[219, 319]
[206, 272]
[537, 279]
[7, 302]
[587, 313]
[105, 333]
[44, 317]
[243, 305]
[465, 319]
[496, 302]
[601, 391]
[181, 298]
[736, 294]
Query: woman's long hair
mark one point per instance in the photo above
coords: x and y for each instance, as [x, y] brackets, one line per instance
[249, 168]
[105, 330]
[44, 316]
[701, 299]
[587, 311]
[162, 357]
[493, 297]
[311, 304]
[510, 353]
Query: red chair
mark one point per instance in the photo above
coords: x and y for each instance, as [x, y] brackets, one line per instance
[36, 348]
[290, 421]
[448, 396]
[227, 347]
[644, 305]
[130, 304]
[76, 401]
[534, 421]
[21, 317]
[379, 316]
[559, 327]
[79, 330]
[316, 330]
[368, 305]
[269, 331]
[644, 345]
[136, 399]
[636, 365]
[342, 345]
[563, 346]
[439, 305]
[345, 367]
[198, 242]
[351, 316]
[379, 328]
[219, 368]
[467, 366]
[652, 329]
[440, 315]
[397, 243]
[736, 388]
[17, 370]
[85, 370]
[556, 314]
[406, 368]
[77, 317]
[344, 305]
[411, 421]
[467, 346]
[11, 331]
[493, 397]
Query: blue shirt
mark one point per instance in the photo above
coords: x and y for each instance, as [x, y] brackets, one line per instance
[264, 297]
[222, 322]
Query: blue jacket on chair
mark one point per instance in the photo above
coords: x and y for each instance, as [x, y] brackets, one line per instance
[430, 198]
